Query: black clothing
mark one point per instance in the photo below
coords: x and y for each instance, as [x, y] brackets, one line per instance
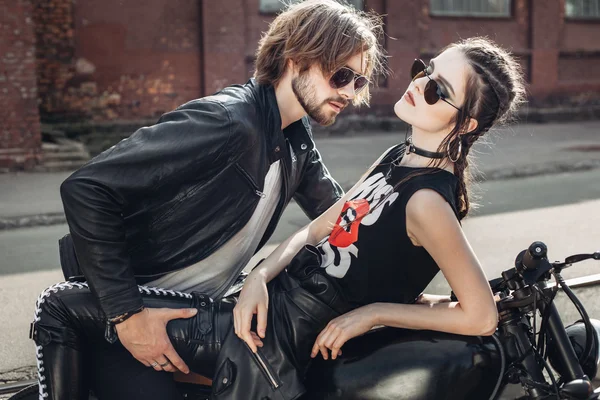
[173, 193]
[369, 250]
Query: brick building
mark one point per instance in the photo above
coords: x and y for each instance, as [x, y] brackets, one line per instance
[115, 60]
[20, 139]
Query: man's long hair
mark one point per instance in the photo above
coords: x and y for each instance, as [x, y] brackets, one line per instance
[323, 32]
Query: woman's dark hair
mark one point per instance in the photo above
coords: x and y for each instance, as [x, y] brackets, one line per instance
[493, 93]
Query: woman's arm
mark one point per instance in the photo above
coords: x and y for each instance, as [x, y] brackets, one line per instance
[431, 223]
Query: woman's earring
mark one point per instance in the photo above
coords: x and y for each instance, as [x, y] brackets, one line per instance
[457, 154]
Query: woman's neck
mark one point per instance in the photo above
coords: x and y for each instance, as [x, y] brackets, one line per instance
[430, 142]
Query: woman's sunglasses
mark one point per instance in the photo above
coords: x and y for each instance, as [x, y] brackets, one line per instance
[432, 92]
[343, 76]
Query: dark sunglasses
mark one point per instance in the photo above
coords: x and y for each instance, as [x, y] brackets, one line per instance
[432, 92]
[343, 76]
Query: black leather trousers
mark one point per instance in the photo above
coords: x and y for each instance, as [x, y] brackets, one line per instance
[69, 328]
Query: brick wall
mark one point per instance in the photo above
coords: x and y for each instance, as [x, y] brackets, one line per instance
[110, 59]
[54, 53]
[20, 130]
[225, 39]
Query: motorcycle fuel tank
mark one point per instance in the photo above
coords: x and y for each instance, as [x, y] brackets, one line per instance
[402, 364]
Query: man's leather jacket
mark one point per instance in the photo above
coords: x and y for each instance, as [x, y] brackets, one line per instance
[172, 193]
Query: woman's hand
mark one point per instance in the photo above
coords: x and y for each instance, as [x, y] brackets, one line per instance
[343, 328]
[254, 299]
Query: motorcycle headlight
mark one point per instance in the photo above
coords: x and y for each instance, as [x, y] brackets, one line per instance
[577, 335]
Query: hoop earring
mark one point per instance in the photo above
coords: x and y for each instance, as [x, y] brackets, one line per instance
[457, 154]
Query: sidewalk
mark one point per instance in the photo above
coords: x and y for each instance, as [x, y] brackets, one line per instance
[33, 199]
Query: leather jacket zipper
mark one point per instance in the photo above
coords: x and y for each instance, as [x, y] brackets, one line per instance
[263, 365]
[250, 181]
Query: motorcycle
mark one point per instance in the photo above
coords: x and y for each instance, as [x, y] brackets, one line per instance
[531, 349]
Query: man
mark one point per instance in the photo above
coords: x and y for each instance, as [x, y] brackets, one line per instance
[184, 204]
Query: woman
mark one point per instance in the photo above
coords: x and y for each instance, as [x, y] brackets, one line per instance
[395, 229]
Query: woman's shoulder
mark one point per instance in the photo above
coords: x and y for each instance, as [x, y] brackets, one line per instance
[433, 184]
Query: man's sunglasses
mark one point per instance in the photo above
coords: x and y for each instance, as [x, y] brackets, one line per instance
[343, 76]
[432, 92]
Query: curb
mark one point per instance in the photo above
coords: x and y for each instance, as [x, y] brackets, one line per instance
[28, 221]
[537, 170]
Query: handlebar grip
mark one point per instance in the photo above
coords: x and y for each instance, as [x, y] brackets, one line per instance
[532, 257]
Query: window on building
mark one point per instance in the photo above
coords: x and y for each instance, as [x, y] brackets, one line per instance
[470, 8]
[274, 6]
[582, 8]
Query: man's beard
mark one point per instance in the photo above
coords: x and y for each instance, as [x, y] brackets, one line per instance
[306, 96]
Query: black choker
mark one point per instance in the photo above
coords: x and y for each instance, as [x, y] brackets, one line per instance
[411, 148]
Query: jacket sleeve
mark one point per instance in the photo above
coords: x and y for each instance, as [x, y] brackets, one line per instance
[318, 190]
[197, 139]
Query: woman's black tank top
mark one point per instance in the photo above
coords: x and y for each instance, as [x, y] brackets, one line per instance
[369, 252]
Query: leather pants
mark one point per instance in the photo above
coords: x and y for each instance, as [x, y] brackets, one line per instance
[68, 323]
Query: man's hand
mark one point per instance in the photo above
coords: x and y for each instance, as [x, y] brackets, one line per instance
[144, 335]
[254, 299]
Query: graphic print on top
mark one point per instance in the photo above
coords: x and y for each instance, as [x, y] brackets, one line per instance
[339, 247]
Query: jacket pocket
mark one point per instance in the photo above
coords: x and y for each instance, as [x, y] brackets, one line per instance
[246, 176]
[168, 207]
[265, 368]
[224, 377]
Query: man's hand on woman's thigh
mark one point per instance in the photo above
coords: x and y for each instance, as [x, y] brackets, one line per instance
[144, 335]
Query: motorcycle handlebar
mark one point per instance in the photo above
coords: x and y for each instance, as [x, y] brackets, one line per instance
[535, 256]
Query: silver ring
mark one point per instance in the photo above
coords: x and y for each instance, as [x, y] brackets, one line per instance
[154, 364]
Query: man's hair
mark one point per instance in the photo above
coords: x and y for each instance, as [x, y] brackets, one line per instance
[323, 32]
